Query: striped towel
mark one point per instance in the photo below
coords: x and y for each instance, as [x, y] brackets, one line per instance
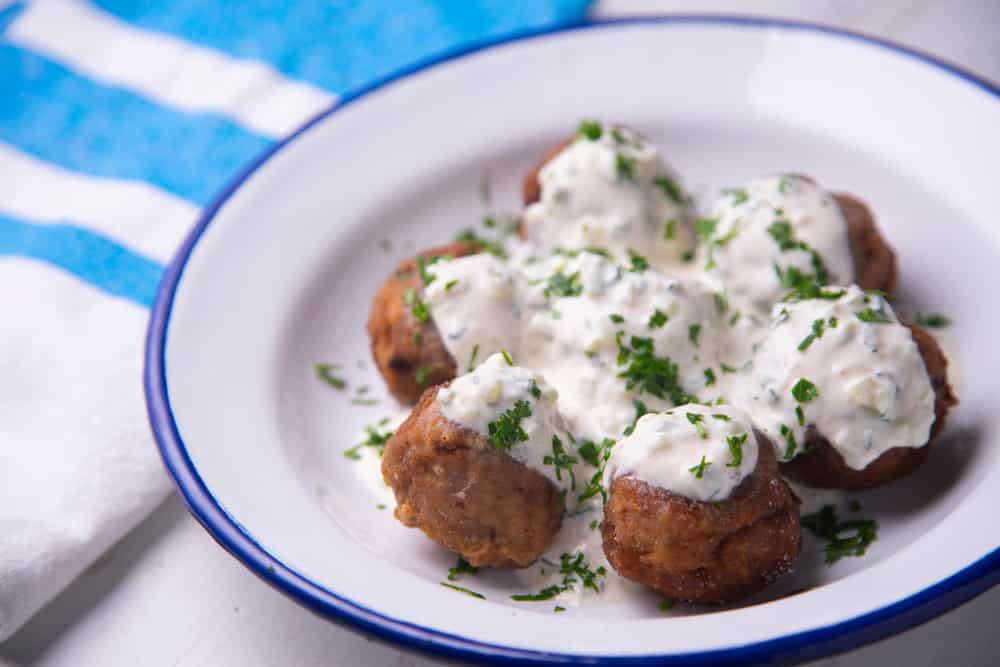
[119, 119]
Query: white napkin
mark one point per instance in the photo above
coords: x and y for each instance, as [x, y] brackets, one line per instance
[77, 465]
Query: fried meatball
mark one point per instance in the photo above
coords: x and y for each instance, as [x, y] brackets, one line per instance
[824, 467]
[475, 501]
[531, 189]
[704, 552]
[401, 343]
[874, 260]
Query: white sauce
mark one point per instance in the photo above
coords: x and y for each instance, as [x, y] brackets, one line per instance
[577, 325]
[687, 450]
[742, 251]
[479, 398]
[873, 392]
[614, 193]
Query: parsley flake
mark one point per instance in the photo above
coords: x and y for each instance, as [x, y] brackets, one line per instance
[657, 319]
[506, 431]
[735, 443]
[699, 470]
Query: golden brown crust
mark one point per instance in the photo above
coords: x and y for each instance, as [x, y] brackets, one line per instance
[400, 343]
[466, 496]
[704, 552]
[874, 260]
[823, 466]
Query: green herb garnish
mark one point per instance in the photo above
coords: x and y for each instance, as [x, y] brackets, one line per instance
[694, 331]
[506, 357]
[860, 533]
[876, 316]
[416, 304]
[696, 421]
[472, 358]
[590, 129]
[790, 444]
[325, 373]
[705, 227]
[561, 285]
[506, 431]
[462, 589]
[461, 567]
[422, 373]
[932, 320]
[668, 230]
[735, 443]
[699, 470]
[616, 318]
[709, 377]
[657, 319]
[804, 391]
[561, 460]
[648, 373]
[669, 188]
[637, 261]
[625, 166]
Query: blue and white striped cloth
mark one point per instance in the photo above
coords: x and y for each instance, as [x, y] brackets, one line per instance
[119, 120]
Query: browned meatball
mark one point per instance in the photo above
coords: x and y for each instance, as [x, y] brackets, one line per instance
[704, 552]
[874, 260]
[401, 343]
[466, 496]
[531, 189]
[823, 466]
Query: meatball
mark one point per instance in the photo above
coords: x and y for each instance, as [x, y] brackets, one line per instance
[531, 189]
[704, 552]
[824, 467]
[874, 260]
[409, 351]
[466, 496]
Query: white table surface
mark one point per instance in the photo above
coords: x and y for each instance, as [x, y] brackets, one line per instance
[168, 595]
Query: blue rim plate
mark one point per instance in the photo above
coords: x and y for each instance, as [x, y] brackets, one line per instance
[230, 534]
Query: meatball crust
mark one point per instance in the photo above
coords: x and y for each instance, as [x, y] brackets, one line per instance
[823, 466]
[704, 552]
[473, 500]
[401, 344]
[874, 260]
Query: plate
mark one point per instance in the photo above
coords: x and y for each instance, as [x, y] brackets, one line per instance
[279, 273]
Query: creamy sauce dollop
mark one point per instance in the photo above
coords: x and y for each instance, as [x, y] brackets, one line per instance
[846, 367]
[701, 452]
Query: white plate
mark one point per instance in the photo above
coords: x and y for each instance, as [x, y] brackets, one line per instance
[280, 272]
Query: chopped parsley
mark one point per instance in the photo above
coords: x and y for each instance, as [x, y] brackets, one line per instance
[625, 167]
[721, 304]
[726, 368]
[740, 195]
[735, 318]
[735, 443]
[535, 391]
[416, 304]
[561, 285]
[472, 357]
[574, 570]
[637, 261]
[657, 319]
[709, 377]
[705, 227]
[843, 538]
[595, 454]
[790, 444]
[696, 421]
[462, 589]
[506, 431]
[645, 372]
[325, 373]
[874, 316]
[800, 415]
[668, 230]
[461, 567]
[782, 233]
[640, 410]
[694, 331]
[669, 188]
[590, 129]
[506, 357]
[804, 391]
[932, 320]
[561, 460]
[423, 262]
[470, 236]
[616, 318]
[557, 609]
[666, 605]
[720, 417]
[818, 327]
[450, 284]
[373, 438]
[699, 470]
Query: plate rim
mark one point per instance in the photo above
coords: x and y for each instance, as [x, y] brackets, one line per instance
[908, 612]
